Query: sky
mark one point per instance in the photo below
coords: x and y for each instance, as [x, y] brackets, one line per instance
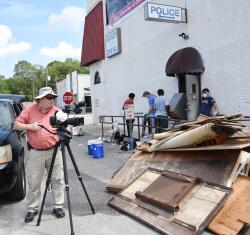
[40, 31]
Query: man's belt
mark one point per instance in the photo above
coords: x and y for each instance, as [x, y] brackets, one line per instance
[31, 147]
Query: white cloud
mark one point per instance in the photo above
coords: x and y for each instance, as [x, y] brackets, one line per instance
[6, 35]
[63, 50]
[71, 18]
[18, 10]
[7, 47]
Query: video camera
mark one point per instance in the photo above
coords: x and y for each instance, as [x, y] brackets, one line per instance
[62, 119]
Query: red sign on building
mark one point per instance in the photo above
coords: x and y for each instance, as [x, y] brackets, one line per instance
[67, 97]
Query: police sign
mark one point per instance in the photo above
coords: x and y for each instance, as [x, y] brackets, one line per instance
[164, 13]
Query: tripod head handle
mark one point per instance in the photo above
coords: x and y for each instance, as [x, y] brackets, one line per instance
[42, 126]
[62, 133]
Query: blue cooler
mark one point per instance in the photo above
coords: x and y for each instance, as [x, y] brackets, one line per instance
[97, 149]
[90, 146]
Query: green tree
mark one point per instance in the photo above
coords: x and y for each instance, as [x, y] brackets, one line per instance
[58, 70]
[23, 69]
[27, 79]
[4, 88]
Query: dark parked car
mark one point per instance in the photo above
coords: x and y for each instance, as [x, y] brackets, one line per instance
[13, 149]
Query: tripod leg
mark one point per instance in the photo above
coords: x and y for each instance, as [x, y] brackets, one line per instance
[80, 177]
[47, 183]
[67, 187]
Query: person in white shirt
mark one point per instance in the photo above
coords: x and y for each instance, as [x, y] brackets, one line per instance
[162, 108]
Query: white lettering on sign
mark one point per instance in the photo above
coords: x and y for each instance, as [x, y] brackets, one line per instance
[165, 13]
[113, 43]
[67, 98]
[129, 112]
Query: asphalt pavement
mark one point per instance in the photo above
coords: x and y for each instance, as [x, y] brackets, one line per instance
[96, 174]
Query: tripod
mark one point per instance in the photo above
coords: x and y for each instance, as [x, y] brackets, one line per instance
[64, 139]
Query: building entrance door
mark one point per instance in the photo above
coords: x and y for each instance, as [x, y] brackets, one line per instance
[192, 87]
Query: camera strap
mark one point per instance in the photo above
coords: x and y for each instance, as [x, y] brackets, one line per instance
[42, 126]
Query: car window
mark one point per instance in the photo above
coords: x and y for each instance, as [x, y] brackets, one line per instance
[6, 118]
[17, 109]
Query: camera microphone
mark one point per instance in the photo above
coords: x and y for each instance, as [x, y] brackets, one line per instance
[61, 116]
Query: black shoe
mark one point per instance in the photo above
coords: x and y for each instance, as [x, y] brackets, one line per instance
[58, 212]
[30, 216]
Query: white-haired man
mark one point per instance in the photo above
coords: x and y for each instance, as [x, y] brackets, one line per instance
[41, 144]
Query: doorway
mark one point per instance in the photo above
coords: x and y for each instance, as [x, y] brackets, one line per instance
[189, 84]
[87, 99]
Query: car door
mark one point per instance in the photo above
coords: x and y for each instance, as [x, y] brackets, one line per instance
[17, 108]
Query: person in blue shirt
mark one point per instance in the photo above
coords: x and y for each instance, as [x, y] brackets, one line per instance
[150, 114]
[162, 108]
[208, 104]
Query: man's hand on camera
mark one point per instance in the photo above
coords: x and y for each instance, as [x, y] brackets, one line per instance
[36, 126]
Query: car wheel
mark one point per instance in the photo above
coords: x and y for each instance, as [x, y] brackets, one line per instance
[18, 192]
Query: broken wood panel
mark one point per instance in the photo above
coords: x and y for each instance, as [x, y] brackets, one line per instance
[236, 211]
[159, 223]
[212, 197]
[167, 190]
[143, 182]
[211, 166]
[197, 205]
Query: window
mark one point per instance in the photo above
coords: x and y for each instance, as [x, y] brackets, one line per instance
[6, 119]
[97, 78]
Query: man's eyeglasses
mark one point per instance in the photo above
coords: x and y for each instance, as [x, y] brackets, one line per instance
[50, 97]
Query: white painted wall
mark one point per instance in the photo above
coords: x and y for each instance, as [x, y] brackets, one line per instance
[83, 83]
[218, 29]
[61, 88]
[79, 82]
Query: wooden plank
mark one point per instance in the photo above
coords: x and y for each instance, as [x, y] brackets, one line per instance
[167, 191]
[236, 211]
[143, 182]
[211, 197]
[198, 204]
[159, 223]
[212, 166]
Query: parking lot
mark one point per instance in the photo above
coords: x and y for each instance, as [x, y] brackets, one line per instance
[96, 174]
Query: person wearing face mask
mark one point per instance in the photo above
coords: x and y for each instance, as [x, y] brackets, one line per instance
[208, 104]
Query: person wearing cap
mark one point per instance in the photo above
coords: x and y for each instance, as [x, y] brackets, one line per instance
[208, 104]
[40, 145]
[150, 114]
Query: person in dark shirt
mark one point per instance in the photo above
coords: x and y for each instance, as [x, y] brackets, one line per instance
[208, 103]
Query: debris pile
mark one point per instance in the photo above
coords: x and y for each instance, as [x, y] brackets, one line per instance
[204, 132]
[190, 178]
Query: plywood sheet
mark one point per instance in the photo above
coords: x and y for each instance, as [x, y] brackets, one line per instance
[167, 191]
[159, 223]
[141, 184]
[213, 166]
[211, 197]
[198, 204]
[236, 211]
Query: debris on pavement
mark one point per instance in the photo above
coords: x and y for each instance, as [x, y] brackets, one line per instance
[214, 150]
